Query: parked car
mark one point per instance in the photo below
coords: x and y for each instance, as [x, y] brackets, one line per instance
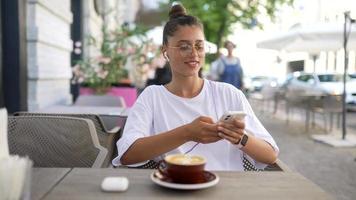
[319, 84]
[353, 76]
[256, 83]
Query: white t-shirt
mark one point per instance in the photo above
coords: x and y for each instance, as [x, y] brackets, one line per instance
[157, 110]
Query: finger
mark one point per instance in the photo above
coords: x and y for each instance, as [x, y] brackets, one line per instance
[235, 123]
[206, 119]
[229, 126]
[231, 133]
[238, 123]
[233, 140]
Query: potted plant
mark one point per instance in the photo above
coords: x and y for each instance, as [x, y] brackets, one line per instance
[120, 51]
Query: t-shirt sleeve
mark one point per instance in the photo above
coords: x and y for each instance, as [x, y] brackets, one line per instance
[255, 127]
[138, 124]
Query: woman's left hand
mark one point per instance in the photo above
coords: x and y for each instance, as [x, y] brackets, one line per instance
[232, 130]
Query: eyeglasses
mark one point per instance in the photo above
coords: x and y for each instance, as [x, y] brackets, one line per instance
[186, 50]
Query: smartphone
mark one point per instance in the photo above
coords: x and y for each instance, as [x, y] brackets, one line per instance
[230, 115]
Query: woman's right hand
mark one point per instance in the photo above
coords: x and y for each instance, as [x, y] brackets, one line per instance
[203, 130]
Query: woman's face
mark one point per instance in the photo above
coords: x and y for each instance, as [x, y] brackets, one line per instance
[230, 47]
[185, 50]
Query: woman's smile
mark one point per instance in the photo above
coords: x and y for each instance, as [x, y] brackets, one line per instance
[192, 63]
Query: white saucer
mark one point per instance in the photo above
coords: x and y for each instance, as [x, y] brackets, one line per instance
[179, 186]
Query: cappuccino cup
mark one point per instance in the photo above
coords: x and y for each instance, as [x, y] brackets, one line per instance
[186, 169]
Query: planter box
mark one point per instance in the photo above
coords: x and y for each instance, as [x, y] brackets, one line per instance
[128, 93]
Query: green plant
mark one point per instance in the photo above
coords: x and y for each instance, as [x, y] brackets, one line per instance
[115, 48]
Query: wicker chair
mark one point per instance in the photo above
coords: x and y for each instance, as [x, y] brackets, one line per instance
[100, 100]
[107, 138]
[264, 98]
[297, 99]
[328, 105]
[56, 141]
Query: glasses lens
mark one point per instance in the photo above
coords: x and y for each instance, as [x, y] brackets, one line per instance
[187, 50]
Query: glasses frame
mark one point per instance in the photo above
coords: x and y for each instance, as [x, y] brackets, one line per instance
[206, 49]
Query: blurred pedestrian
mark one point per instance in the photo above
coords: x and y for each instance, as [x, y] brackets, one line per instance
[229, 67]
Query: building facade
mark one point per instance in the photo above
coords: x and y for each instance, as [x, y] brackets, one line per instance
[37, 39]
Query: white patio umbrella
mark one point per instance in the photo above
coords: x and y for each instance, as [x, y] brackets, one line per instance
[312, 38]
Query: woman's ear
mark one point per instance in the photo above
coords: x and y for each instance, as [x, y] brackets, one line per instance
[164, 53]
[165, 56]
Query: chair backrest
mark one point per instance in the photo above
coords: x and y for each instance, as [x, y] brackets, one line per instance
[268, 92]
[328, 104]
[98, 123]
[106, 138]
[56, 141]
[297, 98]
[100, 100]
[332, 103]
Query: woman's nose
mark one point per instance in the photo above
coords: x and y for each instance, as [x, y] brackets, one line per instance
[194, 52]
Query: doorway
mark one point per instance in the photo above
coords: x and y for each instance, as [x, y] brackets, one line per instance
[13, 55]
[76, 36]
[2, 104]
[294, 66]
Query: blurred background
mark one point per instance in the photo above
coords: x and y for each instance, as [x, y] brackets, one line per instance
[297, 57]
[49, 49]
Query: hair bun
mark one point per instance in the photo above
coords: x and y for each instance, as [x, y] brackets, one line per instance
[176, 11]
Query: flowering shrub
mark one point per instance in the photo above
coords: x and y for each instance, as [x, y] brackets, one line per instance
[115, 50]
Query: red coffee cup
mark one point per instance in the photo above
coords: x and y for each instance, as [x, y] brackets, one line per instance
[186, 169]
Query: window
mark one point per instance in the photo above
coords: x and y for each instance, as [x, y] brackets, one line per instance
[305, 78]
[331, 78]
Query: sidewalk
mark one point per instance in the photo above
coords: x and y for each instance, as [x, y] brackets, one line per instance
[333, 169]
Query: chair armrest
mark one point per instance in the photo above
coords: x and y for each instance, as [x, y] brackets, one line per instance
[103, 152]
[283, 166]
[114, 130]
[278, 166]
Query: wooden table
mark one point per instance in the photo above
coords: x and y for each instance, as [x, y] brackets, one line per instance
[45, 179]
[84, 183]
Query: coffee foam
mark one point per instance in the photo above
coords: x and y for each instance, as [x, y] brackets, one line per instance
[181, 159]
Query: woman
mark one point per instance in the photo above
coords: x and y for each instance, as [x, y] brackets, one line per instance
[181, 116]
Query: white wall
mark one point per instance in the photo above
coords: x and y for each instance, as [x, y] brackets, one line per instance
[92, 24]
[117, 12]
[49, 47]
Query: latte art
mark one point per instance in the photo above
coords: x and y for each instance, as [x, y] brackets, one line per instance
[185, 159]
